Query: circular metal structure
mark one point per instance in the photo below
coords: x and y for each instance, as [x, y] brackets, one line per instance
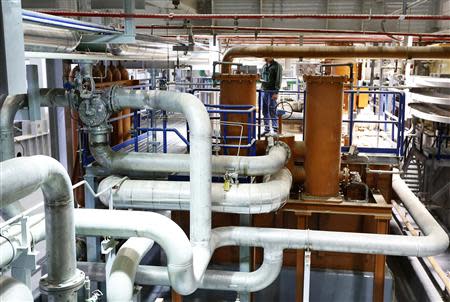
[431, 112]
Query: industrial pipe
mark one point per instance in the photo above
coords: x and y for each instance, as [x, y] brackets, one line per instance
[13, 290]
[12, 104]
[11, 239]
[49, 39]
[45, 173]
[400, 52]
[256, 198]
[253, 29]
[120, 284]
[134, 163]
[181, 268]
[434, 241]
[172, 16]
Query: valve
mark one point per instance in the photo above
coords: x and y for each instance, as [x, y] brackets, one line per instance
[230, 178]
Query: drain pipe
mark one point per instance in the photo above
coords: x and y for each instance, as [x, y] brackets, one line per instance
[120, 284]
[45, 173]
[256, 198]
[13, 290]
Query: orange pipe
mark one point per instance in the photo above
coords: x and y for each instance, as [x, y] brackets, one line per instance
[323, 127]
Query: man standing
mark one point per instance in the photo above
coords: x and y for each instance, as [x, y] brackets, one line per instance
[271, 81]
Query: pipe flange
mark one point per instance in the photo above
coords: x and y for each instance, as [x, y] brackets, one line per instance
[108, 95]
[71, 285]
[281, 144]
[93, 111]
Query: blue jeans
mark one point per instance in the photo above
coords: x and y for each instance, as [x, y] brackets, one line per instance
[269, 111]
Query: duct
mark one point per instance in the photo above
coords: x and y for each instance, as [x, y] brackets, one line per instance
[42, 38]
[143, 163]
[43, 172]
[49, 97]
[120, 284]
[11, 239]
[46, 19]
[403, 52]
[171, 195]
[165, 232]
[13, 290]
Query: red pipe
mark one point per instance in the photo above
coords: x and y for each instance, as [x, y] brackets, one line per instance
[292, 30]
[246, 16]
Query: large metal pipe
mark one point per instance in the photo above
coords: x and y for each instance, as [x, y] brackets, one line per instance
[12, 104]
[332, 52]
[120, 284]
[165, 232]
[13, 290]
[43, 38]
[200, 148]
[243, 198]
[47, 174]
[323, 127]
[143, 163]
[434, 241]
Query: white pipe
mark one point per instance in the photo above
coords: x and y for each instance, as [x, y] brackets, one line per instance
[24, 175]
[13, 290]
[11, 239]
[242, 198]
[200, 150]
[120, 284]
[126, 224]
[135, 163]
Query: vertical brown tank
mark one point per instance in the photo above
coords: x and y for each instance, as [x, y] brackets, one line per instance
[126, 121]
[323, 122]
[237, 89]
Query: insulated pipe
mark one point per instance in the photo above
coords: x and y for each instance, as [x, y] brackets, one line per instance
[49, 39]
[11, 239]
[47, 174]
[141, 163]
[257, 280]
[165, 232]
[243, 198]
[120, 284]
[12, 104]
[13, 290]
[403, 52]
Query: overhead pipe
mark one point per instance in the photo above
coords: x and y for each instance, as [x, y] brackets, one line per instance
[45, 173]
[401, 52]
[172, 16]
[253, 29]
[51, 19]
[43, 38]
[120, 284]
[13, 290]
[256, 198]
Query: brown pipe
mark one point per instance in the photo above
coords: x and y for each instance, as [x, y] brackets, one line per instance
[323, 127]
[331, 52]
[172, 16]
